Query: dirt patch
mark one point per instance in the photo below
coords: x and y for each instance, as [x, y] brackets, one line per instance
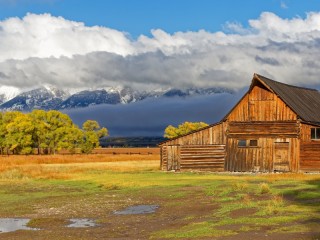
[260, 197]
[232, 227]
[53, 216]
[243, 212]
[278, 236]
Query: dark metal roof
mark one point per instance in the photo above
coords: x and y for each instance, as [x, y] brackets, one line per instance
[305, 102]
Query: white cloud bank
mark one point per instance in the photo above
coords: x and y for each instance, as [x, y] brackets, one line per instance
[43, 49]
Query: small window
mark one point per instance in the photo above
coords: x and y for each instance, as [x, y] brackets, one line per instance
[242, 143]
[315, 133]
[253, 143]
[248, 143]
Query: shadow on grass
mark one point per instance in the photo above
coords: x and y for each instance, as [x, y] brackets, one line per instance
[307, 198]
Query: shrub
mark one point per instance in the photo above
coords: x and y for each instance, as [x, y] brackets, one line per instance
[264, 188]
[275, 205]
[240, 187]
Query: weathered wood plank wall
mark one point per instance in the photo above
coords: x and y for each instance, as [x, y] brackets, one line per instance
[284, 143]
[202, 157]
[210, 135]
[310, 157]
[164, 158]
[260, 158]
[305, 132]
[309, 150]
[200, 150]
[261, 105]
[193, 157]
[278, 129]
[263, 116]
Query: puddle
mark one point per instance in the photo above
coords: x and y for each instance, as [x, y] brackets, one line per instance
[81, 223]
[14, 224]
[138, 209]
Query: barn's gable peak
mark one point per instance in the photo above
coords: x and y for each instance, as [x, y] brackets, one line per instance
[305, 102]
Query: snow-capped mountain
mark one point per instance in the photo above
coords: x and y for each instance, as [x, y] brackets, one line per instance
[7, 93]
[40, 98]
[87, 98]
[49, 97]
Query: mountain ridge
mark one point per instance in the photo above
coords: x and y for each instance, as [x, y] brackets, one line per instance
[52, 98]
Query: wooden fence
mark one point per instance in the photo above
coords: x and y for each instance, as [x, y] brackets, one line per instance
[114, 151]
[129, 151]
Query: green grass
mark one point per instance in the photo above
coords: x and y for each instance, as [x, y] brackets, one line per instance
[194, 230]
[192, 205]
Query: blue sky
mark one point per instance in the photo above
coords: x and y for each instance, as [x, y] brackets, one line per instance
[153, 44]
[140, 16]
[157, 44]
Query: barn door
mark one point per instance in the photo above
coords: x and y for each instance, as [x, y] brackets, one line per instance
[281, 157]
[173, 158]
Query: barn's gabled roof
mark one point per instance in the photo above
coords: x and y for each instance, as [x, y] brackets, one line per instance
[305, 102]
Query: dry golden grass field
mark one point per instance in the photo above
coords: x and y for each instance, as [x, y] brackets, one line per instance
[52, 190]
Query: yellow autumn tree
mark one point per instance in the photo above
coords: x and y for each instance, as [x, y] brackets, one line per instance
[21, 133]
[182, 129]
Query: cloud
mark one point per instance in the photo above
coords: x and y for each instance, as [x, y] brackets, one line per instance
[270, 61]
[43, 49]
[47, 36]
[150, 117]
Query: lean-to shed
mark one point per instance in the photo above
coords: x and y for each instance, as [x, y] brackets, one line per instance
[274, 127]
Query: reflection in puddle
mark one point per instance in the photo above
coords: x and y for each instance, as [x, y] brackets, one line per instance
[81, 223]
[138, 209]
[14, 224]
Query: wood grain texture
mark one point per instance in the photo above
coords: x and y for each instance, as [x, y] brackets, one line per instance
[210, 135]
[282, 140]
[309, 156]
[261, 105]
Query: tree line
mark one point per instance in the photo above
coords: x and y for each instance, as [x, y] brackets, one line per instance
[46, 131]
[182, 129]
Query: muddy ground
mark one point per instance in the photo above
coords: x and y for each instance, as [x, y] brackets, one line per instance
[178, 208]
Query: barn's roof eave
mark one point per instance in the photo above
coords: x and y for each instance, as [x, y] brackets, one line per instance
[302, 101]
[317, 124]
[286, 93]
[209, 126]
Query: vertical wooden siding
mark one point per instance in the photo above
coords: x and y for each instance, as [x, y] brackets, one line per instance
[261, 115]
[309, 150]
[260, 158]
[263, 156]
[305, 132]
[164, 158]
[310, 157]
[261, 105]
[208, 136]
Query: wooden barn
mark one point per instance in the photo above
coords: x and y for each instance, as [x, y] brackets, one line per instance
[275, 127]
